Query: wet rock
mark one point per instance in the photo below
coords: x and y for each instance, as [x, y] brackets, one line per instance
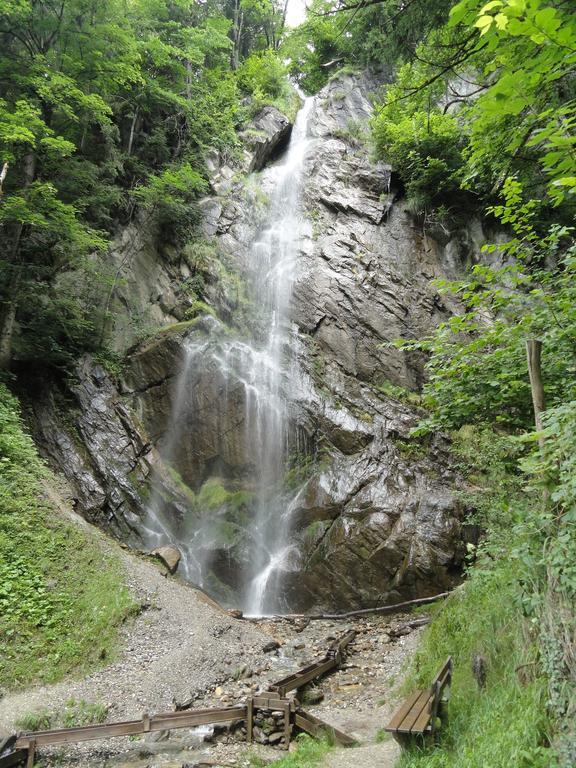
[376, 521]
[170, 556]
[269, 130]
[313, 696]
[273, 645]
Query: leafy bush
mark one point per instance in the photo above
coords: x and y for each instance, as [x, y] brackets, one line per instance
[263, 73]
[477, 368]
[171, 196]
[425, 148]
[504, 723]
[493, 615]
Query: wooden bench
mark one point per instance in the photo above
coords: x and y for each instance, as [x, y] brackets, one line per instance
[418, 715]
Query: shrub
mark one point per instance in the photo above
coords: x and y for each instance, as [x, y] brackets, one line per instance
[263, 74]
[425, 148]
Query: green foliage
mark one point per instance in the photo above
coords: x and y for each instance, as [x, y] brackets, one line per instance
[504, 724]
[107, 107]
[477, 366]
[426, 150]
[41, 720]
[199, 308]
[530, 46]
[554, 469]
[80, 712]
[300, 467]
[213, 496]
[377, 37]
[402, 394]
[170, 195]
[264, 77]
[491, 615]
[75, 714]
[263, 74]
[504, 69]
[309, 753]
[61, 596]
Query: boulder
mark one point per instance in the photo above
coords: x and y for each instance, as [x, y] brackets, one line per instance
[168, 555]
[267, 133]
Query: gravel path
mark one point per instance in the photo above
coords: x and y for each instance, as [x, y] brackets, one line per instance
[183, 650]
[171, 653]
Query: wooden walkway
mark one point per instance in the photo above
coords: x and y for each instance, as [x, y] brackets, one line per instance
[21, 748]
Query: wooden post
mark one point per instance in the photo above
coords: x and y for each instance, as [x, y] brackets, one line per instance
[287, 725]
[31, 753]
[534, 356]
[249, 719]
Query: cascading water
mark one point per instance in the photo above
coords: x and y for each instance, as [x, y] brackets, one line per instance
[274, 255]
[258, 370]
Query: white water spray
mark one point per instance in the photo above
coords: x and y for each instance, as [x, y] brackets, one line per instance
[259, 369]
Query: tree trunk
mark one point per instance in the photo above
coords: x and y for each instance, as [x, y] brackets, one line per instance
[236, 27]
[534, 356]
[3, 175]
[132, 131]
[10, 308]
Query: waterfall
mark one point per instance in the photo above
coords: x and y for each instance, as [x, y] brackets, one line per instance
[273, 256]
[258, 369]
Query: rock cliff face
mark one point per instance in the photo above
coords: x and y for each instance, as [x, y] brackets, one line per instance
[375, 517]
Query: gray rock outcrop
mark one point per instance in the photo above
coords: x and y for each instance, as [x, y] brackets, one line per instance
[374, 512]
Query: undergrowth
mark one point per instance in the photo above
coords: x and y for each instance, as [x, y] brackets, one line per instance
[76, 713]
[61, 597]
[308, 754]
[504, 723]
[498, 714]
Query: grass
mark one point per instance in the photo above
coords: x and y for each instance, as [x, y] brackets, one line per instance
[62, 597]
[505, 723]
[309, 754]
[75, 714]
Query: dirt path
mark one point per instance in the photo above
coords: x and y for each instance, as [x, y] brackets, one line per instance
[180, 650]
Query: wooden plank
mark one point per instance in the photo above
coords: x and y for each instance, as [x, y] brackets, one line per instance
[304, 676]
[268, 702]
[316, 727]
[340, 645]
[413, 716]
[206, 717]
[166, 721]
[401, 713]
[444, 673]
[423, 721]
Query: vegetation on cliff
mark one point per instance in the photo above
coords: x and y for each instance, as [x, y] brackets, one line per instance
[62, 595]
[106, 109]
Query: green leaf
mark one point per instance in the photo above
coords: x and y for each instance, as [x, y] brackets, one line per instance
[484, 23]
